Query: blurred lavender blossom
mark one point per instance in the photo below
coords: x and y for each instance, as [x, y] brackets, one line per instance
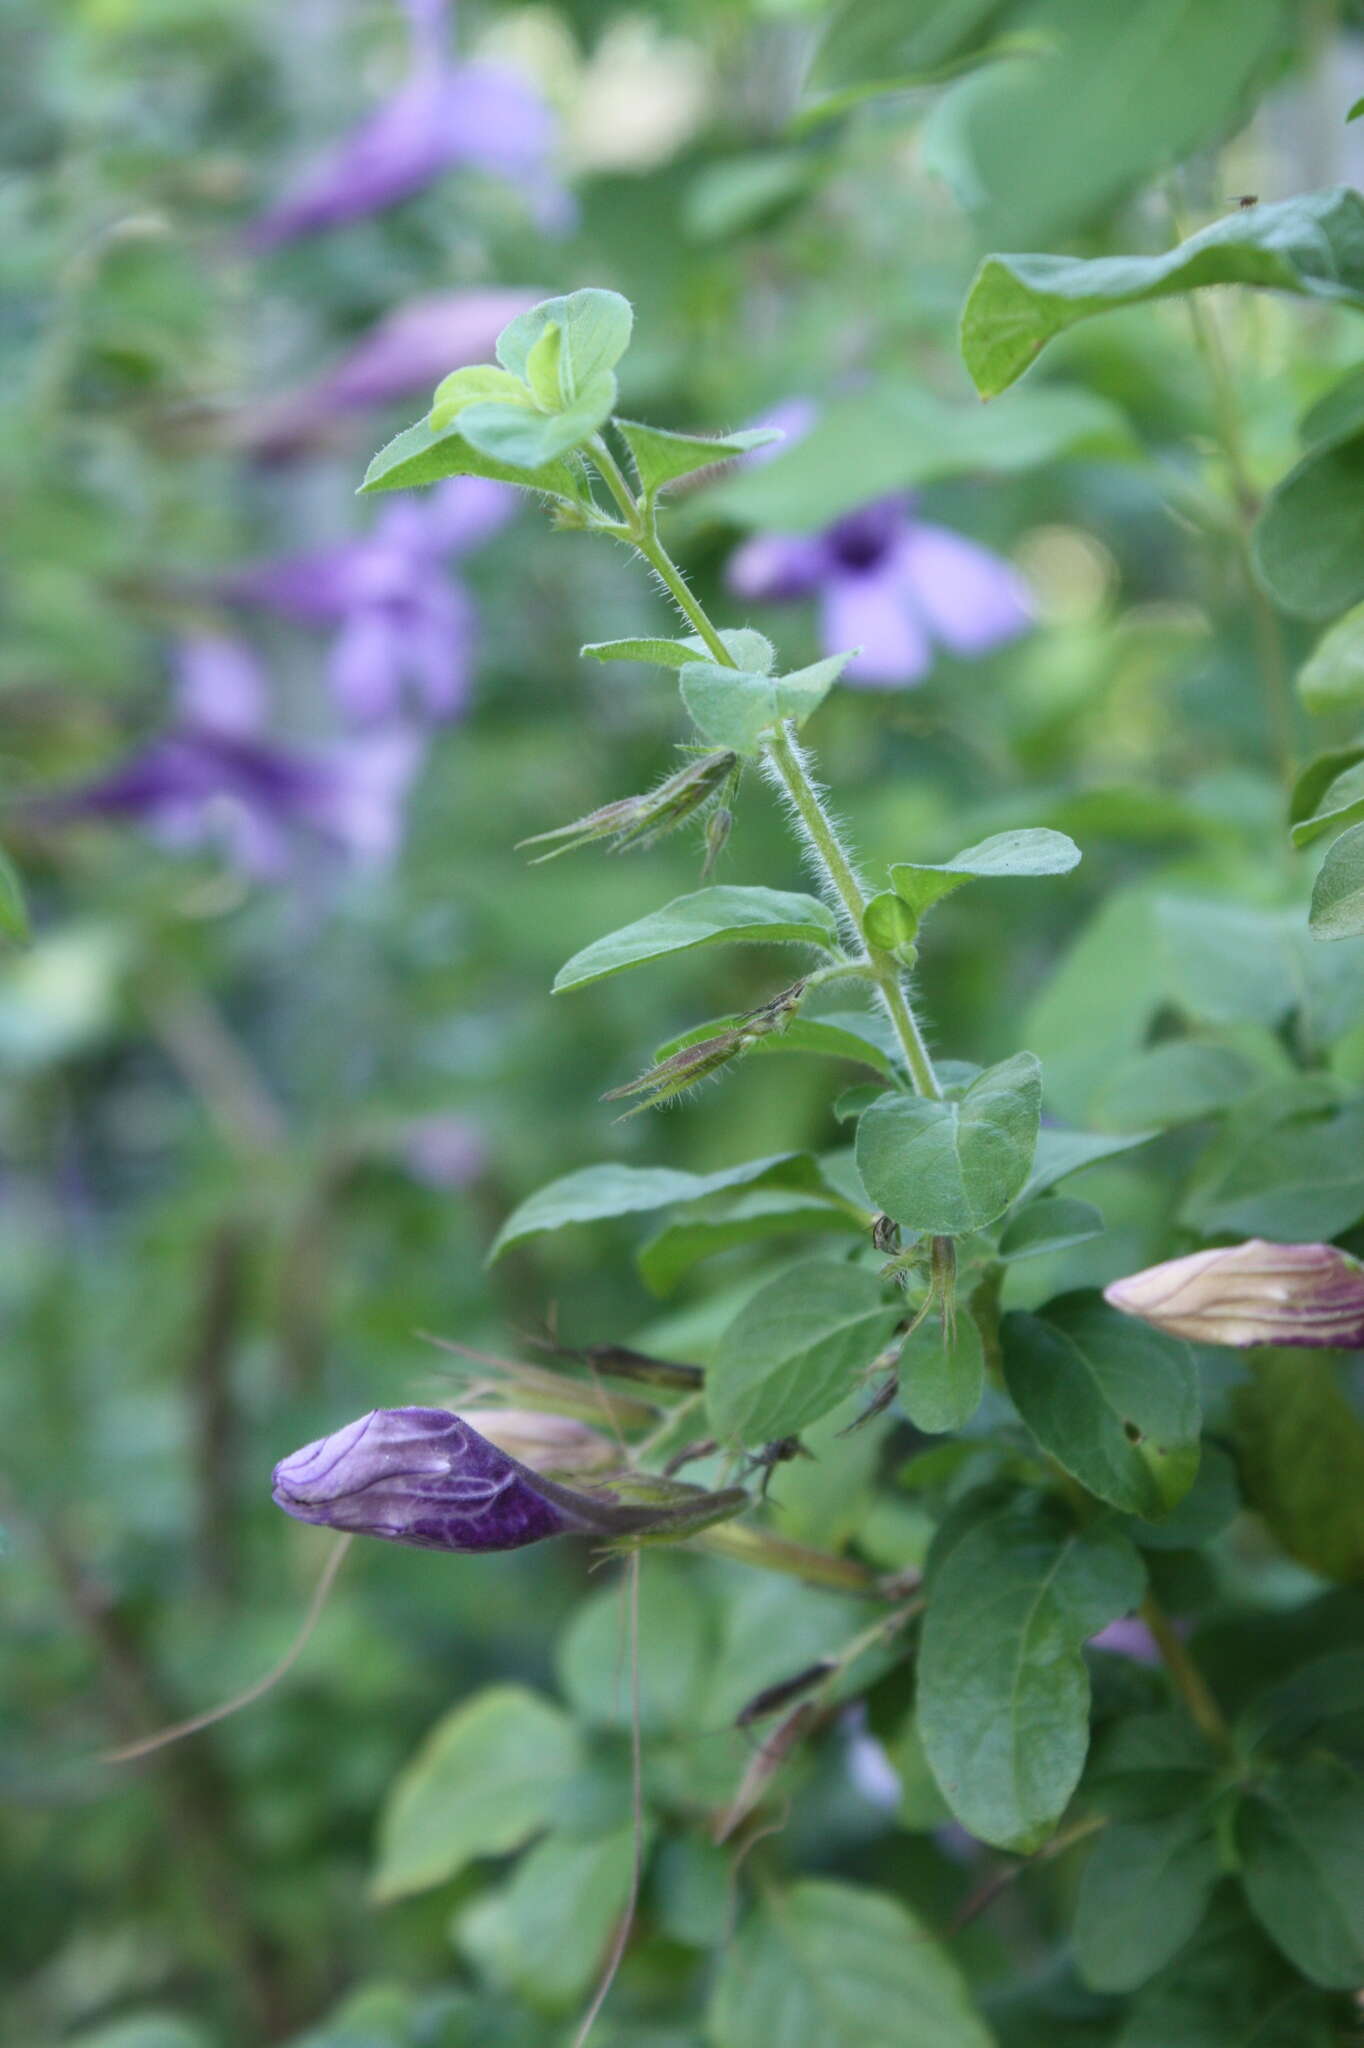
[890, 584]
[408, 351]
[215, 779]
[887, 582]
[443, 114]
[403, 623]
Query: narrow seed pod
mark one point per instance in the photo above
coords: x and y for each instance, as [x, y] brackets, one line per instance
[640, 820]
[773, 1697]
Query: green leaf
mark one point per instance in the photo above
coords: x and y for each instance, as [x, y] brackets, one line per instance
[661, 456]
[1300, 1448]
[1340, 803]
[677, 1646]
[1299, 1834]
[947, 1167]
[1035, 852]
[708, 917]
[1210, 1504]
[521, 440]
[821, 1964]
[1052, 1224]
[13, 914]
[1229, 1989]
[1309, 538]
[1150, 1766]
[143, 2030]
[474, 383]
[1320, 1704]
[420, 456]
[1338, 893]
[1313, 246]
[1143, 1893]
[1003, 1696]
[795, 1349]
[483, 1782]
[544, 1936]
[1332, 677]
[1226, 963]
[750, 650]
[1123, 92]
[1111, 1399]
[1176, 1082]
[746, 1218]
[888, 923]
[896, 436]
[1287, 1165]
[595, 1192]
[941, 1383]
[1096, 1005]
[734, 707]
[595, 330]
[1061, 1153]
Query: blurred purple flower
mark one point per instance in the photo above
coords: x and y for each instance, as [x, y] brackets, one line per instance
[1127, 1638]
[402, 621]
[408, 351]
[214, 779]
[890, 584]
[443, 114]
[446, 1153]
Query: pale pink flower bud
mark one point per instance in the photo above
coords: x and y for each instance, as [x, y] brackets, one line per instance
[1299, 1295]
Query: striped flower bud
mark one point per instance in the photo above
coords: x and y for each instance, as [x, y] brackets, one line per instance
[556, 1444]
[1298, 1295]
[425, 1477]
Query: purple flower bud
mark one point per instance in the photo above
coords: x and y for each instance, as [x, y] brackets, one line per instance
[426, 1477]
[1306, 1296]
[419, 1476]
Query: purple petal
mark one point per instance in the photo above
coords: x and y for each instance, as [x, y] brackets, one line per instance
[867, 538]
[774, 568]
[220, 685]
[418, 1476]
[447, 1153]
[1127, 1638]
[870, 610]
[481, 115]
[464, 511]
[972, 599]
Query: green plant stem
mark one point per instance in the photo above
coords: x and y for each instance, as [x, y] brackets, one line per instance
[786, 759]
[1269, 651]
[747, 1545]
[1188, 1679]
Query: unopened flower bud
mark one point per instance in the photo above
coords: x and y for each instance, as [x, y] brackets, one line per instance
[426, 1477]
[1298, 1295]
[556, 1444]
[640, 820]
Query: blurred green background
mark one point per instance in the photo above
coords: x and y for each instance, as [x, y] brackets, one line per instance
[263, 1112]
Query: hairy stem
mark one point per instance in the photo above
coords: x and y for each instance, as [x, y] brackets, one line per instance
[790, 769]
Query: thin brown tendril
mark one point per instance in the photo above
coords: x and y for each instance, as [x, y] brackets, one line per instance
[130, 1751]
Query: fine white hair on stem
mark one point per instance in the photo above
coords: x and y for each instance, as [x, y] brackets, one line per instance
[814, 858]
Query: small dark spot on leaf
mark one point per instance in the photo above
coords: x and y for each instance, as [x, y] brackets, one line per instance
[1131, 1432]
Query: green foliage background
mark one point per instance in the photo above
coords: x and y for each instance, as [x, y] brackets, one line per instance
[211, 1250]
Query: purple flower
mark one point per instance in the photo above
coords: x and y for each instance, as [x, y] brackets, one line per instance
[1127, 1638]
[408, 351]
[214, 780]
[446, 1153]
[425, 1477]
[443, 114]
[1304, 1296]
[402, 622]
[889, 584]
